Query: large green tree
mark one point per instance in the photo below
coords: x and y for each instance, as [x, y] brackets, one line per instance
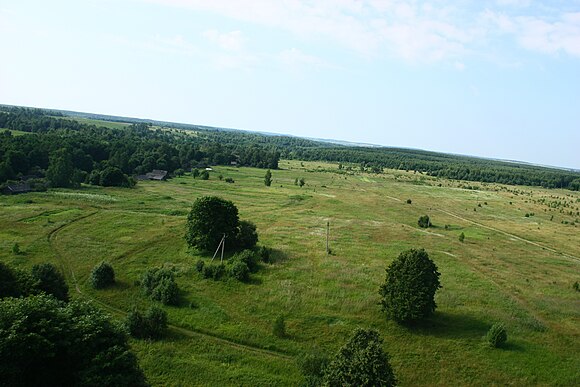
[408, 293]
[211, 218]
[45, 342]
[50, 280]
[361, 362]
[60, 169]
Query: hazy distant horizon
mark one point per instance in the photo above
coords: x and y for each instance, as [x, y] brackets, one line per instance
[496, 79]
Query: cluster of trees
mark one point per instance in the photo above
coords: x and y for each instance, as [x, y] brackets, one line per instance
[67, 152]
[159, 284]
[46, 340]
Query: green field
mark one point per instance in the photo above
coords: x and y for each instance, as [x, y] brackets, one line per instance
[512, 268]
[14, 132]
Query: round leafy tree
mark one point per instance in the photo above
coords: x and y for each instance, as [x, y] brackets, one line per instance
[209, 219]
[361, 362]
[408, 293]
[424, 221]
[102, 275]
[49, 280]
[497, 335]
[46, 342]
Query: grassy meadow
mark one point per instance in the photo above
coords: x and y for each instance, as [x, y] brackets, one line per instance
[518, 262]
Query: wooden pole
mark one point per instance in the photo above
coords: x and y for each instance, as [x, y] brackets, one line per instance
[223, 246]
[218, 248]
[327, 232]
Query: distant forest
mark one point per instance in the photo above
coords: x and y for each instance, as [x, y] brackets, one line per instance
[88, 151]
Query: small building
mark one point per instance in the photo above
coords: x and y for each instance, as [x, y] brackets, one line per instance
[17, 188]
[156, 174]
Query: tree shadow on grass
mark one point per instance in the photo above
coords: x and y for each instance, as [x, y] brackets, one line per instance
[277, 255]
[450, 325]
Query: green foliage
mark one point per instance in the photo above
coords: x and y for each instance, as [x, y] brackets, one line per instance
[102, 275]
[159, 284]
[229, 180]
[461, 237]
[409, 201]
[279, 327]
[114, 177]
[361, 362]
[204, 175]
[424, 221]
[246, 236]
[408, 293]
[15, 282]
[45, 342]
[16, 249]
[49, 280]
[265, 254]
[496, 336]
[152, 325]
[249, 257]
[239, 270]
[268, 178]
[213, 271]
[576, 286]
[313, 366]
[199, 265]
[209, 219]
[195, 173]
[301, 182]
[60, 169]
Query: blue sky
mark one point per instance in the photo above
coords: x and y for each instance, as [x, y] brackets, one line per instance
[492, 78]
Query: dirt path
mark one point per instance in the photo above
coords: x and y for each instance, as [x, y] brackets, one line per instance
[511, 235]
[67, 268]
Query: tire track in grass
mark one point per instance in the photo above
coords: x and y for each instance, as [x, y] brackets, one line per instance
[511, 235]
[67, 268]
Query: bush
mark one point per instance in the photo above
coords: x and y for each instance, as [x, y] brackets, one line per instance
[409, 201]
[229, 180]
[102, 275]
[114, 177]
[576, 286]
[461, 237]
[424, 221]
[246, 237]
[361, 362]
[159, 284]
[249, 257]
[204, 175]
[199, 265]
[239, 270]
[49, 343]
[49, 280]
[279, 327]
[496, 336]
[408, 293]
[16, 249]
[214, 272]
[313, 366]
[151, 326]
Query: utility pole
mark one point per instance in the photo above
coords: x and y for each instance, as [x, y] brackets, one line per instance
[327, 233]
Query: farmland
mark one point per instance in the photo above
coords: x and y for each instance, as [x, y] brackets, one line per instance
[518, 262]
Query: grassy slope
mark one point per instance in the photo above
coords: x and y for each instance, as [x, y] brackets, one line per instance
[490, 277]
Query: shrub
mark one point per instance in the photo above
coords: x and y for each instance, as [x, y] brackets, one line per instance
[159, 284]
[239, 270]
[102, 275]
[576, 286]
[229, 180]
[313, 366]
[214, 272]
[246, 237]
[409, 201]
[279, 327]
[268, 178]
[152, 325]
[496, 336]
[199, 265]
[204, 175]
[461, 237]
[16, 249]
[424, 221]
[408, 293]
[249, 257]
[50, 280]
[361, 362]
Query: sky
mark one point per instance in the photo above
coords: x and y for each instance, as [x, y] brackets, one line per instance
[490, 78]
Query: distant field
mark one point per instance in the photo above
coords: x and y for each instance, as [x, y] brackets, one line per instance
[512, 268]
[107, 124]
[14, 132]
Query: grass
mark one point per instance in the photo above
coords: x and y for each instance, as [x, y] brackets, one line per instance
[492, 276]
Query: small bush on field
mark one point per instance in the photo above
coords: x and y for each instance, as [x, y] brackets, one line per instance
[239, 270]
[102, 275]
[199, 265]
[152, 325]
[279, 327]
[424, 221]
[159, 284]
[215, 272]
[496, 336]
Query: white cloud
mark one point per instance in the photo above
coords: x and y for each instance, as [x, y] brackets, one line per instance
[415, 31]
[231, 41]
[459, 65]
[295, 59]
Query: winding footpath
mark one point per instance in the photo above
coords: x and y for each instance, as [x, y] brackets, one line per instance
[67, 268]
